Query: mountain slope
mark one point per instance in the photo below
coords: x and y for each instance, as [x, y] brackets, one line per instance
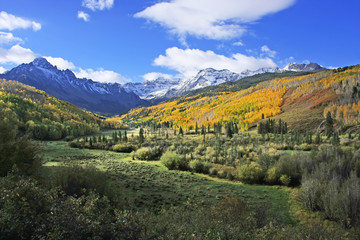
[46, 117]
[84, 93]
[300, 99]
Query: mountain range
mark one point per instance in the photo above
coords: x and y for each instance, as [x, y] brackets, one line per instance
[162, 88]
[114, 98]
[104, 98]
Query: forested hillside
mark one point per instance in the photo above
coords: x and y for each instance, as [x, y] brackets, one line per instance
[44, 116]
[300, 100]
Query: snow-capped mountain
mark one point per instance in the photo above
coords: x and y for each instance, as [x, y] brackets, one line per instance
[152, 89]
[99, 97]
[309, 67]
[162, 88]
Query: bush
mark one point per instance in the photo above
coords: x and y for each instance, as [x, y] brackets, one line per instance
[199, 167]
[272, 176]
[285, 180]
[147, 154]
[126, 148]
[19, 151]
[213, 171]
[174, 161]
[30, 211]
[74, 179]
[290, 166]
[251, 173]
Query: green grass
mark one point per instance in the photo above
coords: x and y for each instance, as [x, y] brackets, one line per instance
[150, 185]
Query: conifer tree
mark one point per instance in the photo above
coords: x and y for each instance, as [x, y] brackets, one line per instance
[329, 125]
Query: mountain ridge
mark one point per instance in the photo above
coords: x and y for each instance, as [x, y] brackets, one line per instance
[104, 98]
[164, 89]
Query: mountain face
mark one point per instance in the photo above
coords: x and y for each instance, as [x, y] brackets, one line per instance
[309, 67]
[99, 97]
[162, 88]
[152, 89]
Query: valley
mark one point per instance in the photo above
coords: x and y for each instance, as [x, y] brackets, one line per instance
[179, 120]
[268, 156]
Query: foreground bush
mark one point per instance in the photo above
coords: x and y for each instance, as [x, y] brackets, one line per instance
[74, 179]
[16, 150]
[30, 211]
[333, 186]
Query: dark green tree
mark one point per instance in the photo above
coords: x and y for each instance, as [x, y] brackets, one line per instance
[141, 135]
[329, 125]
[181, 132]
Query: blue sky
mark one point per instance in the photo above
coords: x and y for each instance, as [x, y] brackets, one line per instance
[133, 40]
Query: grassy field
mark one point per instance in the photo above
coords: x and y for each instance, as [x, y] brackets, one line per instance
[150, 185]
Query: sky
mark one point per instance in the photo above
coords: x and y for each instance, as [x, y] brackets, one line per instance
[136, 40]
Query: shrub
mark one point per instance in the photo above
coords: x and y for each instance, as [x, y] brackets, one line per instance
[74, 179]
[213, 171]
[290, 166]
[198, 166]
[272, 176]
[147, 154]
[19, 151]
[251, 173]
[285, 180]
[174, 161]
[126, 148]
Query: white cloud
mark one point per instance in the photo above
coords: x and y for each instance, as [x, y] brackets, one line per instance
[267, 51]
[155, 75]
[84, 16]
[211, 19]
[2, 70]
[101, 75]
[98, 4]
[16, 55]
[239, 43]
[60, 63]
[7, 38]
[188, 62]
[11, 22]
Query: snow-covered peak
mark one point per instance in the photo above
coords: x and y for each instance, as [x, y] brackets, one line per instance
[42, 63]
[295, 67]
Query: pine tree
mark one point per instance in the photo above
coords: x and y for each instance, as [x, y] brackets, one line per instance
[229, 131]
[125, 137]
[196, 129]
[329, 125]
[141, 135]
[120, 136]
[115, 137]
[90, 143]
[181, 132]
[318, 138]
[203, 132]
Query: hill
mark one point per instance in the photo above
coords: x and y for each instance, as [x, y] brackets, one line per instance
[44, 116]
[300, 98]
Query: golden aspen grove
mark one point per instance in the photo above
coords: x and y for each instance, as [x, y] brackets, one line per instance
[265, 100]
